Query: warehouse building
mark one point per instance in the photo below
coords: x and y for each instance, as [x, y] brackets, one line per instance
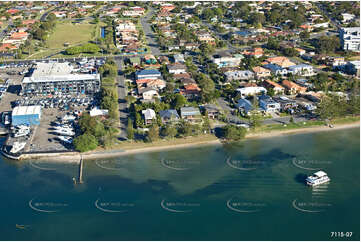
[26, 115]
[59, 78]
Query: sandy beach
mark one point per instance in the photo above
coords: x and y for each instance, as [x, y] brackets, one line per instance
[131, 151]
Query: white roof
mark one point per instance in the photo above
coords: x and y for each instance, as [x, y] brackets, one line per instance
[51, 69]
[26, 110]
[149, 113]
[58, 78]
[320, 173]
[54, 72]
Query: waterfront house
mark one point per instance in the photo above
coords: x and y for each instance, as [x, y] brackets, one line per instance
[191, 114]
[212, 111]
[169, 116]
[149, 116]
[244, 106]
[268, 104]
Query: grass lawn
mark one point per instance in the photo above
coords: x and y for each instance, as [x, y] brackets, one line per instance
[70, 33]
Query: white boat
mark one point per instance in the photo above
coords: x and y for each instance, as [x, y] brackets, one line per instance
[17, 146]
[68, 118]
[317, 178]
[21, 130]
[67, 132]
[66, 139]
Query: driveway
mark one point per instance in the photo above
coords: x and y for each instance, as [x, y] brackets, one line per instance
[228, 110]
[149, 34]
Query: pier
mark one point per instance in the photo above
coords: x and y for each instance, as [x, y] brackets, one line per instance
[81, 164]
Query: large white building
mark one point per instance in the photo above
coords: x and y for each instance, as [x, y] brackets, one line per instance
[55, 78]
[350, 38]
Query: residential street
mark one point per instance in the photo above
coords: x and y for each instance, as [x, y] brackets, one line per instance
[123, 113]
[150, 36]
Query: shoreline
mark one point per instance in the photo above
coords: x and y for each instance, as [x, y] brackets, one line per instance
[70, 158]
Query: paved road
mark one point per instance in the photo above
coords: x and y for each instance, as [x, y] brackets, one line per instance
[123, 107]
[149, 34]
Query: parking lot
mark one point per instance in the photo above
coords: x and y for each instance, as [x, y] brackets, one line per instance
[44, 138]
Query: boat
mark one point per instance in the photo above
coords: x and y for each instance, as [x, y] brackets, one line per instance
[66, 139]
[66, 132]
[317, 178]
[21, 130]
[17, 146]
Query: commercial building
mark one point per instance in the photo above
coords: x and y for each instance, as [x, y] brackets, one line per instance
[59, 78]
[26, 115]
[350, 38]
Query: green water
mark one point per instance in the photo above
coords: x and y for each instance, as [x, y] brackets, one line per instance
[250, 191]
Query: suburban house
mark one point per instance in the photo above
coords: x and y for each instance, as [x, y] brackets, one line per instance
[191, 90]
[169, 116]
[261, 72]
[191, 114]
[178, 58]
[268, 104]
[226, 59]
[177, 68]
[277, 88]
[156, 83]
[238, 75]
[302, 69]
[148, 93]
[134, 12]
[293, 88]
[256, 52]
[149, 115]
[206, 37]
[276, 69]
[250, 91]
[212, 111]
[148, 74]
[281, 61]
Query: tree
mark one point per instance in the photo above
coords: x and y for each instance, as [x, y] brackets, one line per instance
[179, 101]
[153, 133]
[130, 130]
[254, 120]
[234, 133]
[85, 142]
[169, 131]
[327, 44]
[185, 128]
[304, 35]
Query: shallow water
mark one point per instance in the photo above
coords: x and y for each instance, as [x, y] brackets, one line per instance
[253, 190]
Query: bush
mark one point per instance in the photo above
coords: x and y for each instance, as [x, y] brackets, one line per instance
[85, 142]
[233, 133]
[86, 48]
